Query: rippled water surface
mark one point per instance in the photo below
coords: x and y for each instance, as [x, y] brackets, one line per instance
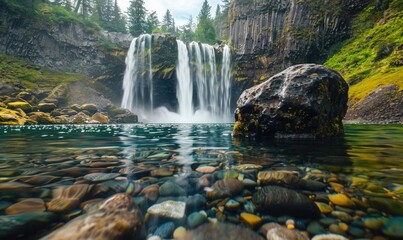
[366, 164]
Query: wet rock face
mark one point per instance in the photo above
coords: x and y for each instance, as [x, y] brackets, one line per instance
[304, 100]
[274, 34]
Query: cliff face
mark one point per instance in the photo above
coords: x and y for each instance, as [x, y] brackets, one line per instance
[270, 35]
[64, 46]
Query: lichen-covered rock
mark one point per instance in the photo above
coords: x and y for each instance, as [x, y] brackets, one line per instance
[100, 117]
[118, 217]
[306, 100]
[42, 118]
[92, 108]
[81, 118]
[22, 105]
[46, 107]
[11, 117]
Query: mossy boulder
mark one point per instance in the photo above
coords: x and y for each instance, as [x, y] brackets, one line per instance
[76, 107]
[11, 117]
[27, 96]
[3, 105]
[91, 108]
[306, 100]
[47, 107]
[42, 118]
[100, 117]
[81, 118]
[26, 107]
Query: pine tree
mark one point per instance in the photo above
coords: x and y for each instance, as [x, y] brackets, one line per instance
[168, 23]
[205, 31]
[137, 17]
[186, 31]
[152, 22]
[64, 3]
[83, 7]
[118, 20]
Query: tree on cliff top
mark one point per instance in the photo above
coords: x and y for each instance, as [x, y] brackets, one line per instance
[152, 22]
[205, 31]
[168, 23]
[137, 17]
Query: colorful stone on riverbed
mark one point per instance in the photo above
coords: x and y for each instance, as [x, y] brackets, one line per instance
[168, 209]
[118, 217]
[341, 200]
[27, 206]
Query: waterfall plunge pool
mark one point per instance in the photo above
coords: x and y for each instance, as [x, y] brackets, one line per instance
[365, 166]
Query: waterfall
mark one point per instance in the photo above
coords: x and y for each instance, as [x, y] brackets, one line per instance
[203, 87]
[184, 87]
[137, 81]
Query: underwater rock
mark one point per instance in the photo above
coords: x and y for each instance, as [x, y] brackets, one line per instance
[274, 231]
[151, 193]
[169, 209]
[68, 199]
[10, 186]
[282, 201]
[315, 228]
[251, 220]
[165, 230]
[222, 231]
[171, 189]
[324, 208]
[390, 206]
[100, 177]
[206, 169]
[23, 224]
[196, 219]
[304, 100]
[341, 200]
[29, 205]
[285, 178]
[225, 188]
[329, 236]
[393, 227]
[161, 172]
[374, 223]
[38, 180]
[118, 217]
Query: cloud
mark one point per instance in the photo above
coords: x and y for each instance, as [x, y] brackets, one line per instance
[181, 10]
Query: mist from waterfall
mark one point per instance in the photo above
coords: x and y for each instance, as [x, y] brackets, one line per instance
[203, 88]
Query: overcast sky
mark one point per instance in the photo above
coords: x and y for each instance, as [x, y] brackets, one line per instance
[180, 9]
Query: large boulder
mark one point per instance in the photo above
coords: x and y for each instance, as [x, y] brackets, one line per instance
[306, 100]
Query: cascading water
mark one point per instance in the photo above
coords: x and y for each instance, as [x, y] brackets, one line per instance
[184, 87]
[137, 81]
[203, 91]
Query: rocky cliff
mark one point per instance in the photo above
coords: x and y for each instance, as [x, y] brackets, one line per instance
[64, 45]
[270, 35]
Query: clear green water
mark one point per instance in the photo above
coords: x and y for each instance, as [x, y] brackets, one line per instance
[373, 152]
